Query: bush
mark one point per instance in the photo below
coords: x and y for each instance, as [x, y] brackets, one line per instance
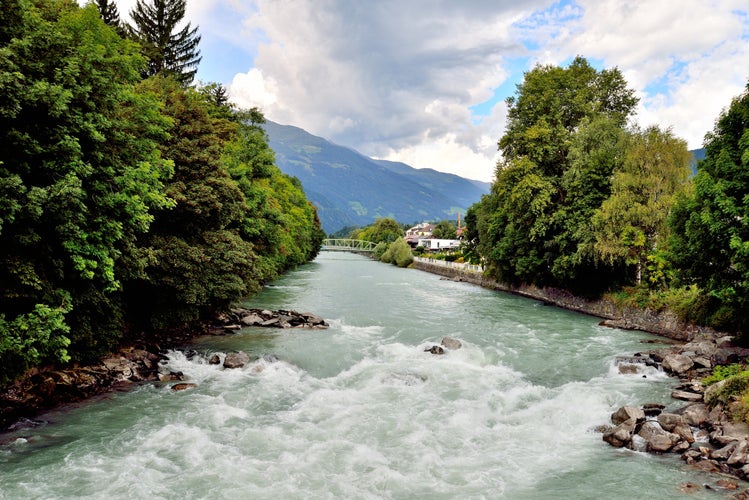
[380, 249]
[398, 253]
[722, 372]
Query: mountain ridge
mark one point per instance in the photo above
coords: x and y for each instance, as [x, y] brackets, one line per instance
[351, 189]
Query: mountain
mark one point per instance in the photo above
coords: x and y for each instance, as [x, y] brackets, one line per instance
[697, 155]
[465, 191]
[350, 189]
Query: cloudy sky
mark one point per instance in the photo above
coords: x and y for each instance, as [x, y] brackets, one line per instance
[424, 81]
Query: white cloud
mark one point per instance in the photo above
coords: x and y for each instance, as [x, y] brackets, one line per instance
[686, 58]
[397, 79]
[251, 89]
[388, 77]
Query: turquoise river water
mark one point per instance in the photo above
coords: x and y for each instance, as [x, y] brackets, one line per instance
[360, 410]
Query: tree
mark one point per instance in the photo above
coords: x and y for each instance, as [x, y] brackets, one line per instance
[632, 222]
[202, 263]
[398, 253]
[710, 244]
[384, 229]
[110, 15]
[596, 152]
[168, 51]
[444, 230]
[80, 179]
[526, 231]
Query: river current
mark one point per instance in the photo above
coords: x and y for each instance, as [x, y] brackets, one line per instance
[360, 410]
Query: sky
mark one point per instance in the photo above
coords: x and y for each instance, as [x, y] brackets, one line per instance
[425, 81]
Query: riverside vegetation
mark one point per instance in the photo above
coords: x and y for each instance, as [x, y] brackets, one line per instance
[131, 203]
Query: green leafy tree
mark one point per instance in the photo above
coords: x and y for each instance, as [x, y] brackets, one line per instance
[169, 50]
[384, 229]
[201, 262]
[526, 232]
[632, 222]
[596, 151]
[444, 230]
[80, 178]
[710, 245]
[280, 222]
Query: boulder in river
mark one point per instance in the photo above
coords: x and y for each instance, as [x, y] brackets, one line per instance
[696, 414]
[183, 386]
[626, 413]
[435, 349]
[451, 343]
[236, 359]
[677, 363]
[240, 317]
[657, 438]
[621, 435]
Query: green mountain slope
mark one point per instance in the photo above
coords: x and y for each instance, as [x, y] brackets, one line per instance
[350, 189]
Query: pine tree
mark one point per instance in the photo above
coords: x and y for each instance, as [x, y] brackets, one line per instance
[168, 51]
[109, 13]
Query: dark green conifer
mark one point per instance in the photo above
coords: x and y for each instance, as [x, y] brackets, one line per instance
[109, 13]
[168, 51]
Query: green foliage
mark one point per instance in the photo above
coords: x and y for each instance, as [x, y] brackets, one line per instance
[398, 253]
[710, 244]
[561, 144]
[379, 250]
[632, 222]
[201, 261]
[169, 52]
[444, 230]
[732, 387]
[722, 372]
[123, 203]
[81, 177]
[383, 229]
[32, 338]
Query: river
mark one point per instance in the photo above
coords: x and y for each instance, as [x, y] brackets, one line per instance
[360, 410]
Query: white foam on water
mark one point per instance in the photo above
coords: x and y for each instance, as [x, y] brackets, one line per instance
[362, 411]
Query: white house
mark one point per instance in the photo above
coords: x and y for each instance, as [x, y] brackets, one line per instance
[435, 244]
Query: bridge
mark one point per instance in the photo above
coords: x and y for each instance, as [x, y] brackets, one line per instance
[346, 245]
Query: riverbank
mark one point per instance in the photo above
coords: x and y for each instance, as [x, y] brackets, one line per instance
[139, 362]
[664, 323]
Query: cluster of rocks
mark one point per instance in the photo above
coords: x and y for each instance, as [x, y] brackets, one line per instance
[231, 361]
[446, 343]
[239, 359]
[702, 430]
[239, 318]
[46, 388]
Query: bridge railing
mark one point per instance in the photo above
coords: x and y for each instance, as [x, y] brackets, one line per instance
[347, 245]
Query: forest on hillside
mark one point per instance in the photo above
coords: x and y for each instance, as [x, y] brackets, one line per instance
[131, 199]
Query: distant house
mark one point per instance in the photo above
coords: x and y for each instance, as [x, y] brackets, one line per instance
[418, 232]
[436, 245]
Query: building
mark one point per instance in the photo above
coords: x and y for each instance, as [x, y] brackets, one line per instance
[437, 245]
[419, 231]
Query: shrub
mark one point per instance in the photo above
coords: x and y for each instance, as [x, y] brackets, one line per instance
[398, 253]
[722, 372]
[380, 250]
